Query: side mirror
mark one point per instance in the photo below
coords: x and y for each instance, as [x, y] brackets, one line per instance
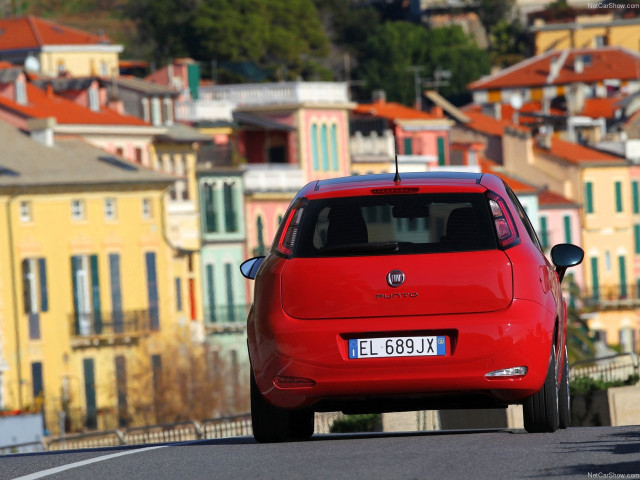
[565, 255]
[250, 267]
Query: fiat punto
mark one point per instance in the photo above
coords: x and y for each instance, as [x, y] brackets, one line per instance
[425, 291]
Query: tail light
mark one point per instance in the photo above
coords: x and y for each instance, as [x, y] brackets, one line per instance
[503, 221]
[289, 231]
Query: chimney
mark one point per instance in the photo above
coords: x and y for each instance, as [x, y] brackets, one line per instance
[41, 130]
[544, 137]
[578, 64]
[379, 96]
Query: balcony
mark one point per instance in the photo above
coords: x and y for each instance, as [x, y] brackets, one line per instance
[372, 147]
[285, 93]
[273, 177]
[211, 155]
[226, 318]
[612, 297]
[202, 110]
[109, 328]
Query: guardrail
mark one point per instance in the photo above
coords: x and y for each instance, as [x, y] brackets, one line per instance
[611, 368]
[223, 427]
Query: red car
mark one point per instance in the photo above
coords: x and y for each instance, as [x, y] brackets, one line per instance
[429, 291]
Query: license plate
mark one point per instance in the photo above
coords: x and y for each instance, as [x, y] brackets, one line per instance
[397, 347]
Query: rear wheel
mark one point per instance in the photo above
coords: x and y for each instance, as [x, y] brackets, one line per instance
[564, 400]
[273, 424]
[540, 410]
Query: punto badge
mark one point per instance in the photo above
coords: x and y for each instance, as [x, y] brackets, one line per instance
[395, 278]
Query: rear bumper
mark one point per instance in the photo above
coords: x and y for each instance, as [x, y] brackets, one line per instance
[477, 344]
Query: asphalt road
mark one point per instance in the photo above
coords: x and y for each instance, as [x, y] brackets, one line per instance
[599, 452]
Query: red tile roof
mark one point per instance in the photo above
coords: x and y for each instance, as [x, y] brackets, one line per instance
[598, 65]
[33, 32]
[43, 104]
[577, 154]
[486, 124]
[547, 198]
[393, 111]
[601, 107]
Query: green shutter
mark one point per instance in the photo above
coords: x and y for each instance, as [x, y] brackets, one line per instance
[544, 239]
[95, 294]
[441, 151]
[622, 266]
[314, 147]
[90, 392]
[193, 74]
[42, 275]
[567, 228]
[595, 285]
[636, 238]
[76, 265]
[408, 146]
[588, 194]
[618, 188]
[211, 299]
[636, 197]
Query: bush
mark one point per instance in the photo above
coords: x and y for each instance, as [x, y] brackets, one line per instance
[585, 385]
[357, 423]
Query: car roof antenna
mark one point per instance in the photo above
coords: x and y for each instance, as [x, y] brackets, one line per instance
[397, 177]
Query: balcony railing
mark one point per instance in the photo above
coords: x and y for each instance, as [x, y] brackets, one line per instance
[226, 316]
[372, 147]
[110, 326]
[284, 93]
[204, 109]
[273, 177]
[612, 297]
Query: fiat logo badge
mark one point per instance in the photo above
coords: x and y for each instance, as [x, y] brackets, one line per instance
[395, 278]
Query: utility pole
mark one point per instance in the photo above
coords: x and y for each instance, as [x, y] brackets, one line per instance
[416, 69]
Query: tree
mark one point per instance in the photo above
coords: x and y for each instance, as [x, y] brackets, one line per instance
[394, 47]
[282, 37]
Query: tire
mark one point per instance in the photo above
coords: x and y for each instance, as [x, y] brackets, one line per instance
[540, 410]
[301, 424]
[272, 424]
[564, 400]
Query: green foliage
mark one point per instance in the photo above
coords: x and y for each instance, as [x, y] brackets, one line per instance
[281, 37]
[508, 43]
[392, 48]
[357, 423]
[584, 385]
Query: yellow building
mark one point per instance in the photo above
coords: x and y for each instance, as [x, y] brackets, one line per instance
[601, 183]
[52, 49]
[88, 288]
[586, 31]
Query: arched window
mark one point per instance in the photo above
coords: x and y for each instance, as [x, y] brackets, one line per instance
[314, 146]
[325, 148]
[334, 146]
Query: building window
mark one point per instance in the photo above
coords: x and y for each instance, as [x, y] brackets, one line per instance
[88, 368]
[147, 211]
[110, 212]
[37, 381]
[138, 155]
[210, 214]
[588, 195]
[116, 292]
[152, 290]
[156, 115]
[77, 209]
[314, 147]
[168, 111]
[230, 215]
[636, 196]
[146, 116]
[178, 284]
[94, 100]
[334, 147]
[25, 211]
[324, 147]
[618, 188]
[121, 390]
[85, 280]
[21, 92]
[34, 291]
[104, 68]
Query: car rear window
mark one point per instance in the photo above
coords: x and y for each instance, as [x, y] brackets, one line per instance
[395, 224]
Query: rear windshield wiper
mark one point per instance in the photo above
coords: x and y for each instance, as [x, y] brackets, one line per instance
[362, 247]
